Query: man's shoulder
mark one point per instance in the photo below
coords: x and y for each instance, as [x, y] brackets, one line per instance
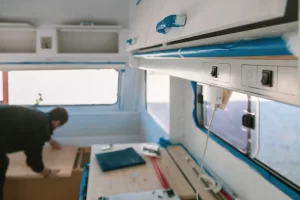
[25, 113]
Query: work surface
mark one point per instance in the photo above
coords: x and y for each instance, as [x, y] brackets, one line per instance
[134, 179]
[54, 159]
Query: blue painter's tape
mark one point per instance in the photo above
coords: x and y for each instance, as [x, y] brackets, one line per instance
[129, 41]
[138, 2]
[169, 22]
[263, 172]
[61, 63]
[84, 182]
[275, 46]
[163, 142]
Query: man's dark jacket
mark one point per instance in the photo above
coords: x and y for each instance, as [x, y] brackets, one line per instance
[24, 129]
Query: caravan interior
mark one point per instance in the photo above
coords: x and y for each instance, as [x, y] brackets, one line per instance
[212, 85]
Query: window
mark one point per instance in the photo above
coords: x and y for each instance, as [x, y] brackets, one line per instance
[63, 87]
[227, 123]
[280, 138]
[275, 142]
[158, 98]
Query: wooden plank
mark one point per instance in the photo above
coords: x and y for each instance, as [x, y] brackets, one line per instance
[43, 189]
[179, 155]
[135, 179]
[54, 159]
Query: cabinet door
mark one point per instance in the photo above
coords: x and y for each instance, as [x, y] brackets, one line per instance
[140, 19]
[205, 16]
[164, 8]
[214, 15]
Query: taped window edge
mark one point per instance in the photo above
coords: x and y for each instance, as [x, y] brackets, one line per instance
[279, 184]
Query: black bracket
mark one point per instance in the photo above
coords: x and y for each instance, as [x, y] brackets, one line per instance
[248, 121]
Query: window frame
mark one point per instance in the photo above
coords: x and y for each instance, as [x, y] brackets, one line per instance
[249, 132]
[150, 112]
[117, 103]
[256, 161]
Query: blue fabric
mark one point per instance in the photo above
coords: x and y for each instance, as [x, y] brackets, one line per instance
[166, 23]
[119, 159]
[84, 182]
[263, 172]
[61, 63]
[260, 47]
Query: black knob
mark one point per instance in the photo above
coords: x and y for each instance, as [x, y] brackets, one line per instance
[214, 71]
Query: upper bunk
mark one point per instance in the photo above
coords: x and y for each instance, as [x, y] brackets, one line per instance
[213, 28]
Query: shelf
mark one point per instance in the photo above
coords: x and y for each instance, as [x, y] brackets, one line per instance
[88, 42]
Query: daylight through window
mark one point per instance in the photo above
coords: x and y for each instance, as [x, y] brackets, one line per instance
[63, 87]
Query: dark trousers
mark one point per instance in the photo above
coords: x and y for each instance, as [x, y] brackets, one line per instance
[3, 168]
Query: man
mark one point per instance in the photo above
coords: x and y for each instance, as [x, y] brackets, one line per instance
[26, 129]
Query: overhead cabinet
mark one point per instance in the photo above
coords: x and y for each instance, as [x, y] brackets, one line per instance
[202, 16]
[140, 18]
[17, 38]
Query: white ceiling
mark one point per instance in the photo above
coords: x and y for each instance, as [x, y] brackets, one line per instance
[44, 12]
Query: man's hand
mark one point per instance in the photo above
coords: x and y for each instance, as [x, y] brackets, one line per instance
[50, 173]
[55, 144]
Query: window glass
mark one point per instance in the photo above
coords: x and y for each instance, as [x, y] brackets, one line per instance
[227, 123]
[63, 87]
[158, 98]
[280, 138]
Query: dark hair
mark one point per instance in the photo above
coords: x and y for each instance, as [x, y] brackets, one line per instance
[59, 114]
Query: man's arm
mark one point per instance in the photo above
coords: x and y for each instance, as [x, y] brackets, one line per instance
[54, 144]
[34, 160]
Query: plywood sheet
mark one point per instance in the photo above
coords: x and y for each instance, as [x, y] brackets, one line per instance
[43, 189]
[135, 179]
[54, 159]
[180, 157]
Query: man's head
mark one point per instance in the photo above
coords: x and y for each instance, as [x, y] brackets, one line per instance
[59, 116]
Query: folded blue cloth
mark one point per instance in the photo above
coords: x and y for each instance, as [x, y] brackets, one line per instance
[119, 159]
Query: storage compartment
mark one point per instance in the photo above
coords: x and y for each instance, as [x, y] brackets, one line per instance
[36, 188]
[77, 41]
[17, 41]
